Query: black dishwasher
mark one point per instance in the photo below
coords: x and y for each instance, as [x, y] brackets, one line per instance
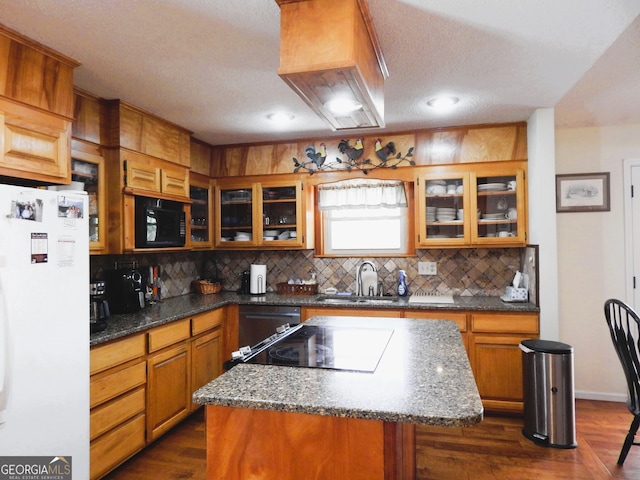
[257, 322]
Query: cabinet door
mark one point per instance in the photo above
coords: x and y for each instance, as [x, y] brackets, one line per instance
[235, 218]
[34, 144]
[498, 197]
[174, 181]
[443, 209]
[168, 390]
[206, 360]
[142, 175]
[201, 195]
[89, 169]
[282, 214]
[496, 361]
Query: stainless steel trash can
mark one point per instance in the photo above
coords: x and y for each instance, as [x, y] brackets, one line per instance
[549, 397]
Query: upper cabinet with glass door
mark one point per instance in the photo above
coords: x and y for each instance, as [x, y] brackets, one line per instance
[265, 214]
[499, 202]
[457, 206]
[88, 169]
[235, 222]
[442, 203]
[200, 193]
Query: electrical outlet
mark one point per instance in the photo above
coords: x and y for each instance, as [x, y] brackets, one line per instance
[427, 268]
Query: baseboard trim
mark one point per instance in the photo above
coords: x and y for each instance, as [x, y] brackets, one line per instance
[606, 397]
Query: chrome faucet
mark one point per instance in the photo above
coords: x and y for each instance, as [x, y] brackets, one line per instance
[366, 266]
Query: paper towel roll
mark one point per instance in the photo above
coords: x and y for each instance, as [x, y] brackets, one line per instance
[258, 281]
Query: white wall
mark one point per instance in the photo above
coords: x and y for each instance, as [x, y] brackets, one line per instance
[591, 257]
[542, 228]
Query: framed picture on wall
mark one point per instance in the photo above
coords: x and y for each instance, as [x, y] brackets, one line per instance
[582, 192]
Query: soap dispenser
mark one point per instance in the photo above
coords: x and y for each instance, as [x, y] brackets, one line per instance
[402, 284]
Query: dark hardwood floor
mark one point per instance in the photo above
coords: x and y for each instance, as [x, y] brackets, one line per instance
[495, 449]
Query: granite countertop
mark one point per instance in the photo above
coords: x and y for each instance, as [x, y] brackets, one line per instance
[175, 308]
[423, 377]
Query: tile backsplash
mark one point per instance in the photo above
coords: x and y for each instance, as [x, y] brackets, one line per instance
[469, 272]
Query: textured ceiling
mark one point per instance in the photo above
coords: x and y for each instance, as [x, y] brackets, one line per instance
[210, 65]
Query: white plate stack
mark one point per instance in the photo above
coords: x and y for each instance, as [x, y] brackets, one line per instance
[431, 214]
[492, 187]
[445, 214]
[492, 217]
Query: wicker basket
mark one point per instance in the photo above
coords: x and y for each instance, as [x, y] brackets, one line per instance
[297, 289]
[206, 287]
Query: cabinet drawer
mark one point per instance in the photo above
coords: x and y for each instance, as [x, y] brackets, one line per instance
[166, 335]
[206, 321]
[505, 323]
[110, 386]
[116, 446]
[116, 353]
[107, 416]
[459, 318]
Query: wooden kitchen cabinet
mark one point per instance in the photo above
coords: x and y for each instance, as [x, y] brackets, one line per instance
[499, 200]
[148, 175]
[141, 385]
[496, 359]
[207, 347]
[459, 318]
[459, 207]
[308, 312]
[117, 400]
[206, 361]
[36, 110]
[87, 166]
[263, 213]
[137, 130]
[168, 392]
[201, 195]
[168, 395]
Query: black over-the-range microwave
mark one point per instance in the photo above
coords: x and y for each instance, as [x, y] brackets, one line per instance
[159, 223]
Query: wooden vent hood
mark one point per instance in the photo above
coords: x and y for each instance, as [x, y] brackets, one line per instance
[328, 50]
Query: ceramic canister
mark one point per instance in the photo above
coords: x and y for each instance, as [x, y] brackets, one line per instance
[258, 280]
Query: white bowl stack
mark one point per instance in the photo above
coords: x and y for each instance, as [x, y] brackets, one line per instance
[436, 187]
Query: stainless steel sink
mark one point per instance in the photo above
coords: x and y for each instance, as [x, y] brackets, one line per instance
[359, 300]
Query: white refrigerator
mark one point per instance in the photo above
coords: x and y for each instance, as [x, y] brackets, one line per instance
[44, 329]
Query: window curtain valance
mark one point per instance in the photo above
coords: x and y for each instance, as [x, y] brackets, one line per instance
[361, 193]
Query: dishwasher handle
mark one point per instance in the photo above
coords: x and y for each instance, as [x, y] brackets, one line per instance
[270, 315]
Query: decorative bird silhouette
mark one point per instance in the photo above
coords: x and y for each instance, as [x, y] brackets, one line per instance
[353, 153]
[384, 152]
[318, 157]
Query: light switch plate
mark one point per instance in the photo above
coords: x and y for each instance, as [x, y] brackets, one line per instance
[427, 268]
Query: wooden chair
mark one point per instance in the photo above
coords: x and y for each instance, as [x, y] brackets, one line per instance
[624, 325]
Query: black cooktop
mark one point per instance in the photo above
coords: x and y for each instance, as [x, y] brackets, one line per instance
[338, 348]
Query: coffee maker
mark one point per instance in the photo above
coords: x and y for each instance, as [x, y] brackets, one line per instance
[125, 289]
[98, 306]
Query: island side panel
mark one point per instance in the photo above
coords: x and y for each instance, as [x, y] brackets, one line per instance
[267, 444]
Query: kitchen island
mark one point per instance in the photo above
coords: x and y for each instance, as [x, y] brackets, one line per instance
[266, 421]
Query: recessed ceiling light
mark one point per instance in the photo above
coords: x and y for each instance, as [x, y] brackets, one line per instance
[443, 103]
[342, 106]
[280, 117]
